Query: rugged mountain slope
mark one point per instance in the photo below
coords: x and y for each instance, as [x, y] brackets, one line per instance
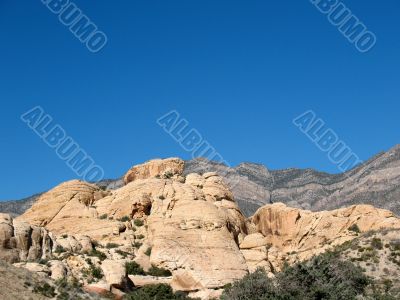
[375, 182]
[17, 207]
[186, 226]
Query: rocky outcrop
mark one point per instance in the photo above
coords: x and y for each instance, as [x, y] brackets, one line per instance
[163, 168]
[375, 182]
[21, 241]
[189, 227]
[285, 234]
[191, 224]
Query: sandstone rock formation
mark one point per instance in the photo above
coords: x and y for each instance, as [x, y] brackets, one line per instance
[163, 168]
[375, 182]
[284, 234]
[187, 224]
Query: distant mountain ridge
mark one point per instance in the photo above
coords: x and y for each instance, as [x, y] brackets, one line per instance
[375, 182]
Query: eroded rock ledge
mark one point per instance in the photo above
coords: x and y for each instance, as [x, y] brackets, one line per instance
[189, 225]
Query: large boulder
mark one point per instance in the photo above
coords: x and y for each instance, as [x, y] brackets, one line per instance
[291, 234]
[163, 168]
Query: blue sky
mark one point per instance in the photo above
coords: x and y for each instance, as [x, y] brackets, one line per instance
[238, 71]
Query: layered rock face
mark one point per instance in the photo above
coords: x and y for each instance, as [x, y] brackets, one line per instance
[162, 168]
[20, 241]
[283, 234]
[375, 182]
[192, 223]
[188, 224]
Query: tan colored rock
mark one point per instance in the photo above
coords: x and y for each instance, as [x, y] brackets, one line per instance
[71, 198]
[254, 240]
[157, 167]
[206, 294]
[39, 269]
[192, 225]
[140, 281]
[85, 243]
[305, 233]
[57, 269]
[114, 272]
[101, 288]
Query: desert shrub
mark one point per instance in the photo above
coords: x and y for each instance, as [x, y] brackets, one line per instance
[138, 222]
[323, 277]
[124, 219]
[133, 268]
[137, 245]
[161, 197]
[122, 253]
[140, 236]
[44, 289]
[59, 249]
[64, 236]
[158, 272]
[148, 251]
[43, 261]
[354, 228]
[156, 291]
[98, 254]
[96, 272]
[254, 286]
[168, 175]
[112, 245]
[103, 217]
[377, 243]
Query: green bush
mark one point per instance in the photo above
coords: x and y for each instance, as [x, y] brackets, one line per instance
[138, 222]
[44, 289]
[103, 217]
[148, 251]
[323, 277]
[124, 219]
[140, 236]
[133, 268]
[158, 272]
[354, 228]
[98, 254]
[122, 253]
[112, 245]
[96, 272]
[156, 292]
[137, 245]
[254, 286]
[377, 243]
[59, 249]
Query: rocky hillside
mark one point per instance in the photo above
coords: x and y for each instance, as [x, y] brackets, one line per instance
[17, 207]
[376, 182]
[166, 226]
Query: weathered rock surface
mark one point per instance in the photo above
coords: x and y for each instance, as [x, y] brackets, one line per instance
[290, 234]
[21, 241]
[163, 168]
[375, 182]
[140, 280]
[189, 225]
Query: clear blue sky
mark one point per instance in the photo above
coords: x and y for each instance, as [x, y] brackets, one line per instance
[238, 71]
